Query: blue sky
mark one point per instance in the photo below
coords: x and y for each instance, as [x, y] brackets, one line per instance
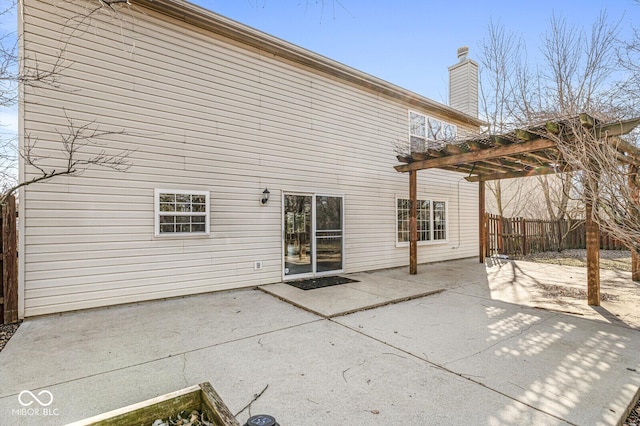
[406, 42]
[410, 42]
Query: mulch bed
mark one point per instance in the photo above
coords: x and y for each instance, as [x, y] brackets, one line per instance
[553, 291]
[320, 282]
[634, 417]
[6, 331]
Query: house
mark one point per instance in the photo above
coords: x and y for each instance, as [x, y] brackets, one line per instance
[252, 160]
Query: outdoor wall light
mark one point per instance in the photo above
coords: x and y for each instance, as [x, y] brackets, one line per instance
[265, 196]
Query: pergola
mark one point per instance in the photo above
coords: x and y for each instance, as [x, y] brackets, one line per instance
[526, 152]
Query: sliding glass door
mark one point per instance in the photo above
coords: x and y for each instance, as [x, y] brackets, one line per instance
[328, 233]
[313, 235]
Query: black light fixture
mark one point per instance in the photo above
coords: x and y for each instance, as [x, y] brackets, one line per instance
[265, 196]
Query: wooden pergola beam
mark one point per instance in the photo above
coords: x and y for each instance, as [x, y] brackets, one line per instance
[618, 128]
[524, 162]
[505, 165]
[526, 148]
[628, 159]
[526, 135]
[543, 157]
[475, 156]
[500, 140]
[538, 171]
[489, 166]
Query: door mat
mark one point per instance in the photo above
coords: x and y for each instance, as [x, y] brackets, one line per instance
[320, 282]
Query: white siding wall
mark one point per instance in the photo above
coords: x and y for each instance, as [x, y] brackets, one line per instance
[204, 113]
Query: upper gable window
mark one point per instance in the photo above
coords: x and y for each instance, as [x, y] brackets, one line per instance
[424, 129]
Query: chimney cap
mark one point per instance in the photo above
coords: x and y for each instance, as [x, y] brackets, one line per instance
[463, 52]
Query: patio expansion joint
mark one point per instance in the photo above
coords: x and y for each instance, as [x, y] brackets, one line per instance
[386, 302]
[182, 354]
[449, 371]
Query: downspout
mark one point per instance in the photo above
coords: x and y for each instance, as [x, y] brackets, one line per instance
[21, 178]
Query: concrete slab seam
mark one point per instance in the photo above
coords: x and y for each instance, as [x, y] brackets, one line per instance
[388, 302]
[297, 305]
[184, 353]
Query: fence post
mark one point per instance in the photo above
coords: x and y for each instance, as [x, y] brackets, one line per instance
[500, 235]
[523, 226]
[9, 262]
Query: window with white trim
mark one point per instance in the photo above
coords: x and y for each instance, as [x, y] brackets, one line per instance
[424, 129]
[181, 212]
[431, 220]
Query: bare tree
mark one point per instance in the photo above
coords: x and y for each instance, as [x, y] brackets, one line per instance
[579, 78]
[500, 60]
[578, 74]
[82, 144]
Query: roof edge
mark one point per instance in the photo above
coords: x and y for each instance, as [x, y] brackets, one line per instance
[195, 15]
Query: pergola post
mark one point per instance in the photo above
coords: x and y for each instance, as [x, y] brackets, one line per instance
[523, 153]
[413, 222]
[635, 193]
[593, 257]
[481, 222]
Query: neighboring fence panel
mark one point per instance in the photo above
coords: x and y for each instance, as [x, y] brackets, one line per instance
[9, 287]
[519, 236]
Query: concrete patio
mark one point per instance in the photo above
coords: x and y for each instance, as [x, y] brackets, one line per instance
[460, 343]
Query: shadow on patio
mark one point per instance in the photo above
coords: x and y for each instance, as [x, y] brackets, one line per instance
[516, 328]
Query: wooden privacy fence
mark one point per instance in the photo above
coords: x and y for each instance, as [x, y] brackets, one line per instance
[520, 236]
[9, 287]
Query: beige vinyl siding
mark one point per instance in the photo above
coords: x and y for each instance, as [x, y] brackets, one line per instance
[463, 87]
[207, 114]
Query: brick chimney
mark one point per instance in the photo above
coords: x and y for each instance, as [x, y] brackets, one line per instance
[463, 84]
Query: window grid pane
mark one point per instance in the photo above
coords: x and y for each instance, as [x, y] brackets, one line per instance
[424, 219]
[435, 130]
[439, 221]
[417, 132]
[182, 213]
[425, 222]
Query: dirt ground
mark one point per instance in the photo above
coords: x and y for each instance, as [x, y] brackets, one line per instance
[613, 291]
[615, 260]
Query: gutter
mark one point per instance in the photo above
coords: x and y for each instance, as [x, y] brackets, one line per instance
[200, 17]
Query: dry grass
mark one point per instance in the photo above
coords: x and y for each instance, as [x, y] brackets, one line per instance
[617, 260]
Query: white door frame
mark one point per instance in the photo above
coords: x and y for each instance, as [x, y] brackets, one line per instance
[314, 272]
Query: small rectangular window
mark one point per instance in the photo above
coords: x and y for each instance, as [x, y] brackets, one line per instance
[181, 212]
